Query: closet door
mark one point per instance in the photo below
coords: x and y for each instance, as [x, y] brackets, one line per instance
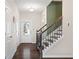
[8, 33]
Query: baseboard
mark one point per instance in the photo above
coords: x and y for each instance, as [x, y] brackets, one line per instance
[57, 58]
[28, 43]
[14, 53]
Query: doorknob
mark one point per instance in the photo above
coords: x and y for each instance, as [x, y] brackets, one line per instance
[10, 36]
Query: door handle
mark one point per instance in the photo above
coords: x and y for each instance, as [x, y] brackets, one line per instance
[10, 36]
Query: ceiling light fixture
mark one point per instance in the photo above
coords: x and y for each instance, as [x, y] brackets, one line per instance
[31, 9]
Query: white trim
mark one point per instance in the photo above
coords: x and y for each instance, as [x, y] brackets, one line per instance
[57, 56]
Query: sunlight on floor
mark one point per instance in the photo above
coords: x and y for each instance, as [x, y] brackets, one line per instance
[26, 53]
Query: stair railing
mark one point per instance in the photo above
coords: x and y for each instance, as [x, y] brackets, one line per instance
[42, 28]
[49, 31]
[39, 39]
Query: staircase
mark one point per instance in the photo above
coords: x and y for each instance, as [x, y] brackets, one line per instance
[47, 36]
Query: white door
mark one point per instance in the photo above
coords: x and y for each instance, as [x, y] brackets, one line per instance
[9, 37]
[26, 33]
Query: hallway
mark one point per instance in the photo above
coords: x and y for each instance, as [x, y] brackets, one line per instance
[41, 24]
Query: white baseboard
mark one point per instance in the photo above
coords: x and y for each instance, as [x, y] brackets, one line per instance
[58, 56]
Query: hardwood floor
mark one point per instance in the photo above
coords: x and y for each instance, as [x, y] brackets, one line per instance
[34, 54]
[57, 58]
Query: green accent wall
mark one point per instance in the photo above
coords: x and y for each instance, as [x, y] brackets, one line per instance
[54, 11]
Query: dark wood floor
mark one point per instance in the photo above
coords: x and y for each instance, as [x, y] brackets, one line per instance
[34, 54]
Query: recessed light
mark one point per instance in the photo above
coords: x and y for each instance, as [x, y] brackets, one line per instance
[31, 9]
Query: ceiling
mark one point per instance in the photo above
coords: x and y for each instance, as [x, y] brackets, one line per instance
[38, 5]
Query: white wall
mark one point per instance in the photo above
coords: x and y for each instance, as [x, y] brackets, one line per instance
[44, 17]
[68, 30]
[11, 29]
[35, 23]
[65, 47]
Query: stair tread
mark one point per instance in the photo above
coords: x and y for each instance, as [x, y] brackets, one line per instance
[46, 43]
[50, 41]
[58, 33]
[59, 30]
[54, 37]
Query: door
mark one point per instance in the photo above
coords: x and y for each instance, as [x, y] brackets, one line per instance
[9, 37]
[26, 33]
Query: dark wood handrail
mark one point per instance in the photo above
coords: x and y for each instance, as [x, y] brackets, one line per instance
[41, 28]
[51, 25]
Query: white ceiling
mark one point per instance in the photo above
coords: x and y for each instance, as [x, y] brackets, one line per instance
[38, 5]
